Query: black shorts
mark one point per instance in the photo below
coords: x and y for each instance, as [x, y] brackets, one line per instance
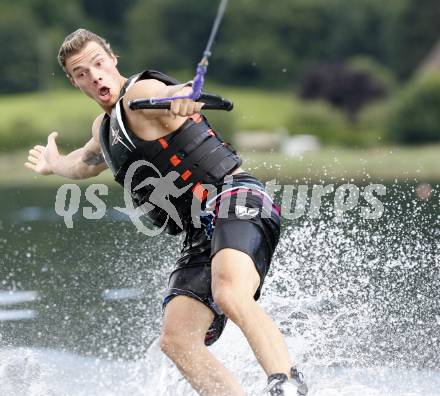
[240, 217]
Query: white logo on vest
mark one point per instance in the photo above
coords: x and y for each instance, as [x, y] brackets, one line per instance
[243, 212]
[164, 187]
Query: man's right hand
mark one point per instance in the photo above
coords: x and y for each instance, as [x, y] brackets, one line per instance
[40, 158]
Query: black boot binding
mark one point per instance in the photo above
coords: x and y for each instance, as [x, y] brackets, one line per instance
[280, 385]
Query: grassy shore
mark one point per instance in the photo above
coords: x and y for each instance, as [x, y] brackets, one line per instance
[386, 164]
[31, 117]
[328, 165]
[70, 112]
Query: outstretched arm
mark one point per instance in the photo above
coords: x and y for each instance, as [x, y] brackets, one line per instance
[82, 163]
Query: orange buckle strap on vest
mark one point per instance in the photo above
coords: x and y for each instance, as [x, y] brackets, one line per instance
[163, 143]
[175, 160]
[199, 192]
[186, 175]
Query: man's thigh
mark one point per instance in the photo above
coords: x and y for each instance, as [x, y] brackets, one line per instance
[186, 318]
[234, 270]
[240, 251]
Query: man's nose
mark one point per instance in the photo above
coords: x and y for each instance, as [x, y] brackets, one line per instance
[96, 78]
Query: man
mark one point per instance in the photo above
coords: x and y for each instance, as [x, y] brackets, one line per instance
[224, 262]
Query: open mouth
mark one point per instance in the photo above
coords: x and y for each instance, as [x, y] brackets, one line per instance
[104, 93]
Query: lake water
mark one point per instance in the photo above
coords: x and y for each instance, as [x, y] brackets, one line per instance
[80, 308]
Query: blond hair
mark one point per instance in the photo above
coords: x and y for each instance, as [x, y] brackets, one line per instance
[76, 41]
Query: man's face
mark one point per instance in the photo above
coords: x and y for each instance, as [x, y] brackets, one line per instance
[94, 72]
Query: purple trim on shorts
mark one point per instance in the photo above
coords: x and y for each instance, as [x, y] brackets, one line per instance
[239, 190]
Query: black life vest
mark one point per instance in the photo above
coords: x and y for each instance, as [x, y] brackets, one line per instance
[194, 151]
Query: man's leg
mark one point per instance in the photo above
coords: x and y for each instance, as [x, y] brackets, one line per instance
[186, 321]
[234, 282]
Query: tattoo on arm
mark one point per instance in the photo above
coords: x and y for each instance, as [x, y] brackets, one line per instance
[93, 158]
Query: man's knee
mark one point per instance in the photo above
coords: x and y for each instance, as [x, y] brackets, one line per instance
[176, 341]
[172, 343]
[186, 321]
[231, 302]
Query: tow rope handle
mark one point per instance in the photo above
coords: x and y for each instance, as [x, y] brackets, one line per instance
[212, 102]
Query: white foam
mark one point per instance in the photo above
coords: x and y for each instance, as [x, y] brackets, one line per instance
[122, 294]
[8, 297]
[17, 314]
[38, 372]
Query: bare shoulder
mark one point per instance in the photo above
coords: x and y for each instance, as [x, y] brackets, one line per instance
[96, 125]
[144, 89]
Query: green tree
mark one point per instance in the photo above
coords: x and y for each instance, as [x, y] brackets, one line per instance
[415, 33]
[105, 15]
[19, 57]
[416, 116]
[258, 43]
[167, 35]
[33, 31]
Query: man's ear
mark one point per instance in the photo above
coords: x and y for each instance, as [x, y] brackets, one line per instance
[115, 59]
